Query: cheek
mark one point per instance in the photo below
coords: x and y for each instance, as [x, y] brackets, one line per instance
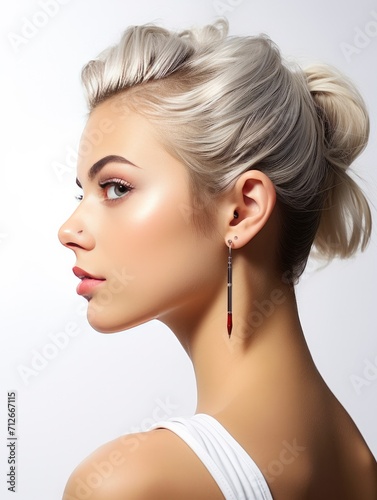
[147, 234]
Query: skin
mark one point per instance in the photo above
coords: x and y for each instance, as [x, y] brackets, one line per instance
[262, 384]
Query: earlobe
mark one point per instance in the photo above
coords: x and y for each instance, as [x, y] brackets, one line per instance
[253, 200]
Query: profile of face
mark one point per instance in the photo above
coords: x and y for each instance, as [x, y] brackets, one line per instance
[138, 254]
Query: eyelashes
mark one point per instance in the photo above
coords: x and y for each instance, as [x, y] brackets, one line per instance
[113, 189]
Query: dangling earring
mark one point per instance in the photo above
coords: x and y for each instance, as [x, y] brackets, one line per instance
[229, 323]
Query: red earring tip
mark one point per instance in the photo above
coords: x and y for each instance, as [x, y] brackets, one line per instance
[229, 324]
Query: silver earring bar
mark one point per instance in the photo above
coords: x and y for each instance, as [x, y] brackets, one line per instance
[229, 323]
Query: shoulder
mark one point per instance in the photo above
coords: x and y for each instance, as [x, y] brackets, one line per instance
[155, 464]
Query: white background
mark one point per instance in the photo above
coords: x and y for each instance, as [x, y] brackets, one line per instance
[98, 387]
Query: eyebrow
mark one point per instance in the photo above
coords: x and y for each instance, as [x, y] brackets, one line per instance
[98, 166]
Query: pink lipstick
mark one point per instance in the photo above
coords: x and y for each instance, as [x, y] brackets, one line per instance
[88, 281]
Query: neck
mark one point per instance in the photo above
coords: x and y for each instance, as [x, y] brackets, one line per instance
[266, 351]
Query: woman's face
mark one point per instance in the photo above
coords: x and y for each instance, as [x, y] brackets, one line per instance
[132, 229]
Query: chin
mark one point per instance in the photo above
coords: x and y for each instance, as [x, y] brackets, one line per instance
[104, 322]
[104, 328]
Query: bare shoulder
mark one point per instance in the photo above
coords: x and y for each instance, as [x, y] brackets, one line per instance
[155, 464]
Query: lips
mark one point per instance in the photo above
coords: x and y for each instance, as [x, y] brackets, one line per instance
[80, 273]
[88, 281]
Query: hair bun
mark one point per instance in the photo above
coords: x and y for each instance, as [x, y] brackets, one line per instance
[346, 219]
[342, 111]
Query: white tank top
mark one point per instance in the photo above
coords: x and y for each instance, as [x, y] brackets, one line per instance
[236, 474]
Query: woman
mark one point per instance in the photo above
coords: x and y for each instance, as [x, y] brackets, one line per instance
[209, 169]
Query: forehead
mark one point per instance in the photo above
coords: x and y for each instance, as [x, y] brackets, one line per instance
[113, 128]
[109, 124]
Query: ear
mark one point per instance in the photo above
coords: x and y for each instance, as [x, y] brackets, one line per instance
[253, 199]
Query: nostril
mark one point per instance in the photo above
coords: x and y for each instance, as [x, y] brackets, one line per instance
[68, 237]
[73, 236]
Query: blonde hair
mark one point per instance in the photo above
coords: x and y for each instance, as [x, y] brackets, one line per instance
[225, 105]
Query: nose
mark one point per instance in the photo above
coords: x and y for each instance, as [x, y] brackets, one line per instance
[73, 234]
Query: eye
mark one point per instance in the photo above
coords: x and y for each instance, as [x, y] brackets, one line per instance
[116, 189]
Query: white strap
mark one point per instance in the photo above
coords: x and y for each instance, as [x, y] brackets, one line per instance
[236, 474]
